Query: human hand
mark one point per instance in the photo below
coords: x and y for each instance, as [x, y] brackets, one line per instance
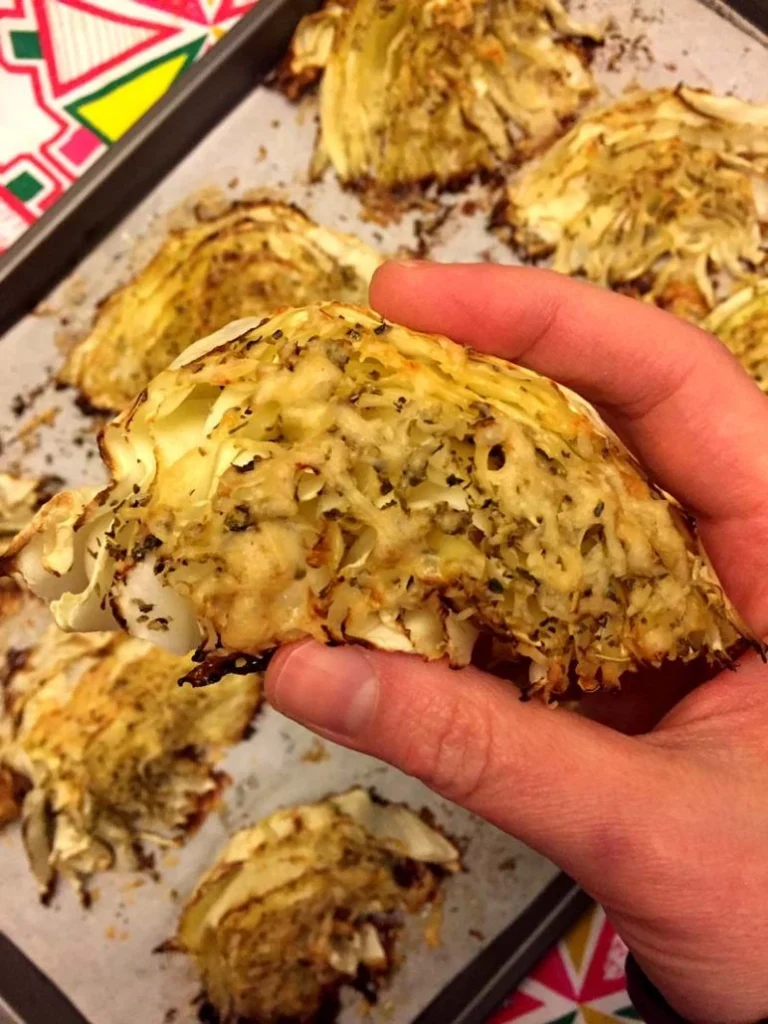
[666, 828]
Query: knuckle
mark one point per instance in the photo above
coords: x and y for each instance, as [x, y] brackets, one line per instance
[451, 750]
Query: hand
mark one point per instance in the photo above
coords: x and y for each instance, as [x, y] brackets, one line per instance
[668, 828]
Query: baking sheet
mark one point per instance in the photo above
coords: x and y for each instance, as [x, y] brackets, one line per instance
[103, 958]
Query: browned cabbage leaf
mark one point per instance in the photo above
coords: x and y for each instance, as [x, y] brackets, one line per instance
[248, 261]
[306, 900]
[11, 795]
[20, 498]
[436, 90]
[324, 473]
[742, 323]
[114, 753]
[662, 194]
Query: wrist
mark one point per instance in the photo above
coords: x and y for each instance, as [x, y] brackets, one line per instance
[648, 1001]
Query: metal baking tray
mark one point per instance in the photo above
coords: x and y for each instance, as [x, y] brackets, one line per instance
[219, 127]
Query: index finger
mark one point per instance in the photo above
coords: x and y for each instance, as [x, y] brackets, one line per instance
[673, 392]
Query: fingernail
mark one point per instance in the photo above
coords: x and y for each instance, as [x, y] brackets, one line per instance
[329, 688]
[410, 264]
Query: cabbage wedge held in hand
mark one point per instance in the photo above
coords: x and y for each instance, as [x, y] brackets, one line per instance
[250, 260]
[324, 473]
[662, 194]
[310, 898]
[415, 91]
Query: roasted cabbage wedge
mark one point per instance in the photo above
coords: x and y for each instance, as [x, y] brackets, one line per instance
[415, 91]
[324, 473]
[306, 900]
[660, 194]
[250, 260]
[20, 498]
[113, 752]
[741, 322]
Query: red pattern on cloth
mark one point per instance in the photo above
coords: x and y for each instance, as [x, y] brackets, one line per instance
[581, 981]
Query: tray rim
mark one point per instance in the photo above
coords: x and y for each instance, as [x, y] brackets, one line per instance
[754, 12]
[480, 988]
[58, 242]
[28, 994]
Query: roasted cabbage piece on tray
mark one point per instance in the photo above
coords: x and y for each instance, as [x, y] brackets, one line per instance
[310, 898]
[248, 261]
[325, 473]
[660, 194]
[113, 752]
[741, 322]
[20, 498]
[437, 90]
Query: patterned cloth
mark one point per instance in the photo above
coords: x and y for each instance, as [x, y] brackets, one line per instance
[75, 75]
[581, 981]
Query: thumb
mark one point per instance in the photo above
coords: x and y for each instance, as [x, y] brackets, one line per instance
[570, 788]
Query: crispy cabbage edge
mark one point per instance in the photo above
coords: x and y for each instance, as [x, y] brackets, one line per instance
[247, 261]
[324, 473]
[20, 498]
[296, 905]
[661, 193]
[437, 90]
